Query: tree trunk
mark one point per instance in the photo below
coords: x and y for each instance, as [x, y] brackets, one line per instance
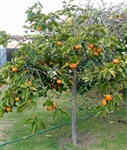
[74, 91]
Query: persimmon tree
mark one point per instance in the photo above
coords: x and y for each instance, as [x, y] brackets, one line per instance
[79, 48]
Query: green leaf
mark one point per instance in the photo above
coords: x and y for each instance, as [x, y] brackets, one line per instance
[108, 41]
[48, 103]
[98, 113]
[112, 72]
[64, 2]
[104, 113]
[64, 66]
[79, 21]
[29, 121]
[119, 69]
[21, 107]
[11, 100]
[25, 94]
[59, 72]
[108, 76]
[98, 108]
[23, 85]
[55, 115]
[5, 74]
[5, 44]
[34, 97]
[34, 127]
[33, 103]
[106, 30]
[101, 40]
[120, 98]
[62, 112]
[1, 112]
[6, 93]
[71, 1]
[4, 82]
[86, 79]
[21, 62]
[33, 88]
[42, 125]
[106, 109]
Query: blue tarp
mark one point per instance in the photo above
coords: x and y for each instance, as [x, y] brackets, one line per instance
[3, 57]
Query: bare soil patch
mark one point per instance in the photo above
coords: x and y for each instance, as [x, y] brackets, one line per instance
[5, 126]
[84, 141]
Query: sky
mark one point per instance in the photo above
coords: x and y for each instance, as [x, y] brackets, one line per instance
[12, 12]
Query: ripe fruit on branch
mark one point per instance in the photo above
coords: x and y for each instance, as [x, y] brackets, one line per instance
[54, 86]
[8, 109]
[104, 102]
[109, 97]
[29, 83]
[34, 116]
[54, 104]
[99, 50]
[59, 43]
[26, 71]
[91, 46]
[77, 63]
[94, 49]
[17, 99]
[116, 61]
[59, 81]
[51, 63]
[50, 108]
[96, 54]
[14, 69]
[1, 84]
[77, 47]
[29, 100]
[73, 66]
[39, 28]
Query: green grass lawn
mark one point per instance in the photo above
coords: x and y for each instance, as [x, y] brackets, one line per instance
[93, 133]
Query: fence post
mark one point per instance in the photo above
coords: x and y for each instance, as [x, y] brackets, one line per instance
[3, 57]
